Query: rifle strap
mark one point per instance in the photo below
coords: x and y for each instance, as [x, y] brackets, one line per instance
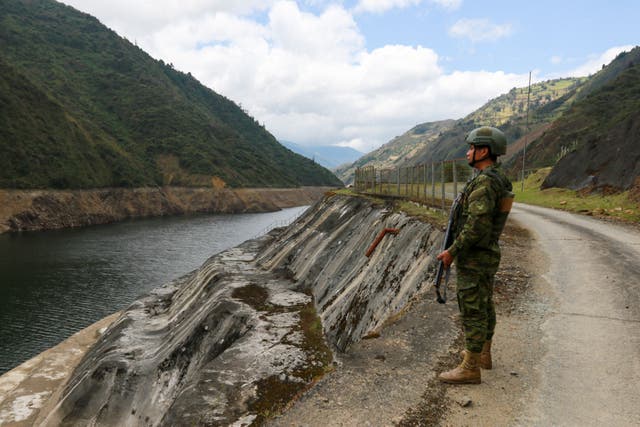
[442, 297]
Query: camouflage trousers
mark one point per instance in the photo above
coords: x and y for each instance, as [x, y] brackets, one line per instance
[475, 300]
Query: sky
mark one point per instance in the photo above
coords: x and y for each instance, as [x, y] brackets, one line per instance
[359, 72]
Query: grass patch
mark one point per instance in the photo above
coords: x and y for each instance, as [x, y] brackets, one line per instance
[278, 392]
[414, 209]
[424, 213]
[350, 192]
[618, 206]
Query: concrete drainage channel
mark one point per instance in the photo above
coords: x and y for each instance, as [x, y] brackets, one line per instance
[251, 330]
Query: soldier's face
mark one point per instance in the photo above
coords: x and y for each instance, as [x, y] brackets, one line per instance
[480, 154]
[470, 154]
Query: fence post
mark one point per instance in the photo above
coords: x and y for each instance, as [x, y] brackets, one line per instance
[406, 181]
[455, 180]
[373, 179]
[424, 171]
[433, 182]
[367, 178]
[412, 175]
[372, 184]
[442, 176]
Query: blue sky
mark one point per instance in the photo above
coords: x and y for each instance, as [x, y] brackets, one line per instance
[359, 72]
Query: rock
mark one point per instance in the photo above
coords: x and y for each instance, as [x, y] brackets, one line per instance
[465, 401]
[220, 373]
[257, 301]
[371, 335]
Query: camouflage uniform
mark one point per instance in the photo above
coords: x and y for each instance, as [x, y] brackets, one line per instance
[485, 206]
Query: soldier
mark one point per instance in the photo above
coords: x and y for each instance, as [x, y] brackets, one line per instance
[485, 203]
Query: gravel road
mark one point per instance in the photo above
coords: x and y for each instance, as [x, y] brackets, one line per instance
[590, 373]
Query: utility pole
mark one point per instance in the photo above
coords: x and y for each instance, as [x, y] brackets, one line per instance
[526, 135]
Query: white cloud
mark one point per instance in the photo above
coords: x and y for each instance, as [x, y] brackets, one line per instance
[331, 35]
[595, 61]
[380, 6]
[479, 30]
[136, 18]
[556, 59]
[447, 4]
[309, 77]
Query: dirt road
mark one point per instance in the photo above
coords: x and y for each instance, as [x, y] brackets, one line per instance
[590, 373]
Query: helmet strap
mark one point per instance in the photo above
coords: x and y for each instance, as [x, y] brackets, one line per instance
[473, 159]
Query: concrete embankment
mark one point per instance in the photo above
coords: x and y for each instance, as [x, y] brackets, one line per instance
[240, 338]
[52, 209]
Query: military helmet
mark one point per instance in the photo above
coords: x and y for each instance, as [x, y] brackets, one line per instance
[490, 137]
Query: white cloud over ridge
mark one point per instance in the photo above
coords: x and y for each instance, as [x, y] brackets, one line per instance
[310, 80]
[596, 61]
[479, 30]
[307, 76]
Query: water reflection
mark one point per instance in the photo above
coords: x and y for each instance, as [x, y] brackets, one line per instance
[54, 283]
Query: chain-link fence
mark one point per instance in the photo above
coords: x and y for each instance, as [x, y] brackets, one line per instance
[433, 183]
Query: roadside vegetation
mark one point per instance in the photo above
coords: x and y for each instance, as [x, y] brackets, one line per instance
[623, 206]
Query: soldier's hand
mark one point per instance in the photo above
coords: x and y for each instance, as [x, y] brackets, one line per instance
[446, 258]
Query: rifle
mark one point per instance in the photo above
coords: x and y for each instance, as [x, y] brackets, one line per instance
[448, 240]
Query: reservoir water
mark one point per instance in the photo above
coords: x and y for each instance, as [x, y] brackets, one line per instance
[54, 283]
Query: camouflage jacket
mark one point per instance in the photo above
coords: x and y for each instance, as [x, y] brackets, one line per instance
[485, 204]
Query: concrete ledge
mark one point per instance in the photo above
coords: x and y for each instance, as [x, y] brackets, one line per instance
[30, 387]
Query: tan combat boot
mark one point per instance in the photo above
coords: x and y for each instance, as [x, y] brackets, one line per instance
[467, 373]
[485, 356]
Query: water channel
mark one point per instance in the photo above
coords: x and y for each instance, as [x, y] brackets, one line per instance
[54, 283]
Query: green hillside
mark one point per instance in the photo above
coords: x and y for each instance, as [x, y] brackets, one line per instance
[434, 141]
[547, 101]
[83, 107]
[596, 144]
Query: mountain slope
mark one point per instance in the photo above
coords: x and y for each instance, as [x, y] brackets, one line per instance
[594, 144]
[597, 143]
[596, 114]
[128, 119]
[399, 150]
[547, 100]
[437, 141]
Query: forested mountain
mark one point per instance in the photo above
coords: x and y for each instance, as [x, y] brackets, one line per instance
[83, 107]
